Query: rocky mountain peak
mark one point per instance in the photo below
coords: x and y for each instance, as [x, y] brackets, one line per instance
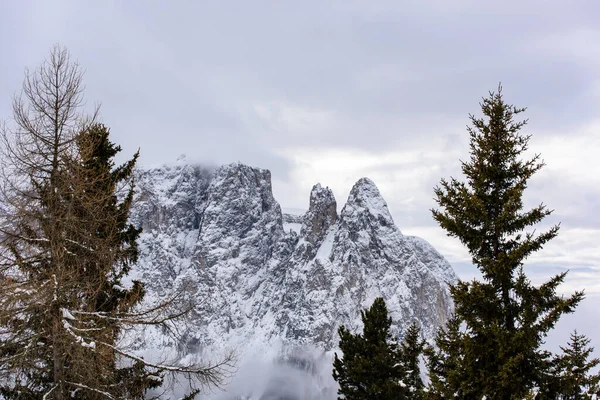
[219, 235]
[366, 206]
[321, 215]
[240, 222]
[366, 225]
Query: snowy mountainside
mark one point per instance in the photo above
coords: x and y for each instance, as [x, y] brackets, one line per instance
[266, 279]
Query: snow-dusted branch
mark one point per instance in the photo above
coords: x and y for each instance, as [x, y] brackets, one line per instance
[128, 320]
[213, 374]
[49, 392]
[78, 339]
[137, 318]
[91, 389]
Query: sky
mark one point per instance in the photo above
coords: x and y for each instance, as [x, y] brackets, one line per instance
[331, 91]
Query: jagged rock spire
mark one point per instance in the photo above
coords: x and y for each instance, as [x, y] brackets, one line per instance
[366, 209]
[321, 215]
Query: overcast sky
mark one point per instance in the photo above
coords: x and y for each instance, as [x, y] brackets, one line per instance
[331, 91]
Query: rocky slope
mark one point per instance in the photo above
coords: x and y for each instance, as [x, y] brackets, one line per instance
[261, 277]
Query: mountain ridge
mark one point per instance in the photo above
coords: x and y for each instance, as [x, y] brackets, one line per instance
[224, 226]
[264, 279]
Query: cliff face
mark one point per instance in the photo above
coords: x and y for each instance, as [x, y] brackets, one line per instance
[257, 278]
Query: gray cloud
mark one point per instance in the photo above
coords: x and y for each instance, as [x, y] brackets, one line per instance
[197, 67]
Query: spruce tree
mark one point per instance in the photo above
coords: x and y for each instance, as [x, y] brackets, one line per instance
[103, 247]
[101, 197]
[505, 317]
[444, 363]
[370, 367]
[575, 365]
[411, 349]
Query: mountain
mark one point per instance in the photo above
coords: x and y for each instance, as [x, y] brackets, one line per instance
[265, 280]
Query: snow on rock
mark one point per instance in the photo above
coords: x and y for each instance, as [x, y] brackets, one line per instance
[262, 278]
[375, 259]
[321, 215]
[292, 222]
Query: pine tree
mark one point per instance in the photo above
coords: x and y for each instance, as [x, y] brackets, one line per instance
[577, 382]
[505, 316]
[411, 349]
[370, 367]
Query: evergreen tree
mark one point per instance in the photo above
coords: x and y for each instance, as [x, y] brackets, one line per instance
[107, 241]
[411, 349]
[549, 384]
[505, 317]
[577, 382]
[370, 367]
[444, 363]
[102, 246]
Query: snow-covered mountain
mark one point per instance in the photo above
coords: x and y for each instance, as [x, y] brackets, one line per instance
[264, 279]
